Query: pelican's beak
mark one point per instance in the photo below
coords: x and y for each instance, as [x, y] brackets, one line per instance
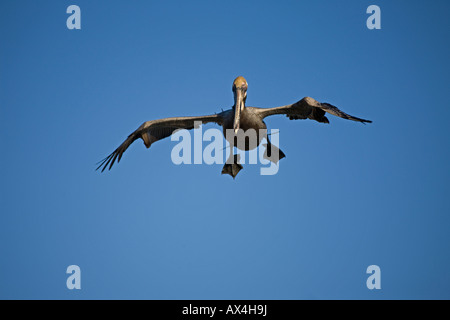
[238, 106]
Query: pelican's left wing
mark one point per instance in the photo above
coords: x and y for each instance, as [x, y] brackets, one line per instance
[155, 130]
[308, 108]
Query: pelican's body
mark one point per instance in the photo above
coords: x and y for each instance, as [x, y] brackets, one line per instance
[236, 122]
[248, 120]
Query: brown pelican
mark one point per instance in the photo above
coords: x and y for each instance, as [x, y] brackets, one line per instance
[238, 117]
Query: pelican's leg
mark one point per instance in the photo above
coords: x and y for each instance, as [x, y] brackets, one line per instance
[272, 152]
[232, 166]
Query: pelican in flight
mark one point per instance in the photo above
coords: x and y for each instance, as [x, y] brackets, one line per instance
[239, 119]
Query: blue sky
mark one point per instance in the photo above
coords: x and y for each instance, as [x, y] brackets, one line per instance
[347, 195]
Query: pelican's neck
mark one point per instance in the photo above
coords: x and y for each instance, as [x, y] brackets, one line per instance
[243, 99]
[242, 106]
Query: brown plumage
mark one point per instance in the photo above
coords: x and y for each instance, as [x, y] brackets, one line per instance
[238, 117]
[154, 130]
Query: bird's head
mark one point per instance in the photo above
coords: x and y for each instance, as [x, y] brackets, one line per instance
[240, 96]
[240, 84]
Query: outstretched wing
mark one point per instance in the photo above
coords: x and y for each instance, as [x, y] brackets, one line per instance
[308, 108]
[155, 130]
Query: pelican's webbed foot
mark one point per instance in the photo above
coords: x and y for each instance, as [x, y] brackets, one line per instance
[234, 167]
[273, 153]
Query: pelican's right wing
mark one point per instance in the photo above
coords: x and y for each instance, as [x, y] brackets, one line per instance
[155, 130]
